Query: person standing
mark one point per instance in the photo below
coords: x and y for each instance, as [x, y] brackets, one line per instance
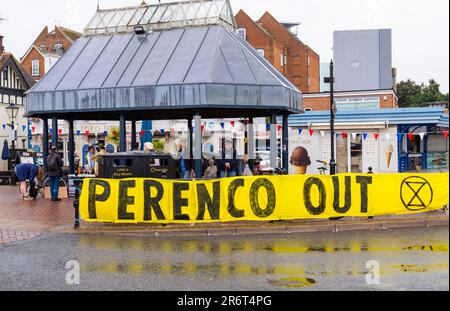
[211, 170]
[90, 166]
[228, 165]
[54, 171]
[96, 158]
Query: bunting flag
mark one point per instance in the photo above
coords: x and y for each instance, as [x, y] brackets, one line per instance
[51, 131]
[422, 136]
[172, 131]
[376, 135]
[311, 132]
[268, 127]
[279, 128]
[24, 127]
[105, 133]
[232, 123]
[322, 133]
[162, 131]
[33, 129]
[354, 135]
[222, 125]
[87, 133]
[203, 127]
[410, 136]
[399, 136]
[4, 126]
[388, 136]
[60, 131]
[344, 135]
[446, 134]
[365, 136]
[300, 131]
[142, 133]
[78, 132]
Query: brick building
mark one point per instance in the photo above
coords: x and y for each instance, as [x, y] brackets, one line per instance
[283, 49]
[352, 100]
[47, 49]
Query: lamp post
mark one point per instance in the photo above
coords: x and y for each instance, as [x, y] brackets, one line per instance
[12, 110]
[330, 80]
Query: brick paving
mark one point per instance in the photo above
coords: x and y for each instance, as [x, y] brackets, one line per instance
[22, 220]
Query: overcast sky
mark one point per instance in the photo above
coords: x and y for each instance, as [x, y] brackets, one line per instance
[420, 27]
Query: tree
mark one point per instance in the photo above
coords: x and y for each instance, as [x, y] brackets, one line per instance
[411, 94]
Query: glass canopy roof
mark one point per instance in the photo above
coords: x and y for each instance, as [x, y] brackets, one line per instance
[162, 16]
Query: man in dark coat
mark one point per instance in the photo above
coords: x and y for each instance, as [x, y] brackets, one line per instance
[54, 171]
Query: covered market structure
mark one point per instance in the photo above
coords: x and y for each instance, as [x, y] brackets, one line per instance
[180, 60]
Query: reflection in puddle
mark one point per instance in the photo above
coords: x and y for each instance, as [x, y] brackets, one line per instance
[292, 282]
[214, 247]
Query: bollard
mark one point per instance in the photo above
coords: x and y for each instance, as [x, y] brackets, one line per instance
[76, 203]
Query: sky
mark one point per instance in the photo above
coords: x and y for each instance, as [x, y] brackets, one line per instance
[420, 28]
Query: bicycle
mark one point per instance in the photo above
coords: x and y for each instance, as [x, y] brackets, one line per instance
[43, 183]
[324, 168]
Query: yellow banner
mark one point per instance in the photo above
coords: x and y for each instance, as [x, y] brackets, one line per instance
[261, 198]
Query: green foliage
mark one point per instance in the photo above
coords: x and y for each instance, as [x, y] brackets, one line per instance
[411, 94]
[158, 145]
[113, 136]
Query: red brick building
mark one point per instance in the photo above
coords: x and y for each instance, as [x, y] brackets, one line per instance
[283, 49]
[47, 49]
[371, 99]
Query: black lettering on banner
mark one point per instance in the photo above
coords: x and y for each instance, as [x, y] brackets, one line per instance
[271, 198]
[179, 202]
[232, 210]
[153, 202]
[314, 210]
[125, 199]
[205, 199]
[94, 197]
[364, 181]
[348, 195]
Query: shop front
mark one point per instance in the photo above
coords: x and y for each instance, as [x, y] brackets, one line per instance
[386, 140]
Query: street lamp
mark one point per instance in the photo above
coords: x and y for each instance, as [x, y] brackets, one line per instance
[333, 110]
[12, 110]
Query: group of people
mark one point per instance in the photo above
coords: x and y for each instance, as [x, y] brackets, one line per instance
[212, 168]
[34, 174]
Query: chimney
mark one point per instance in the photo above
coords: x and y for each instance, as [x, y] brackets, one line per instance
[2, 48]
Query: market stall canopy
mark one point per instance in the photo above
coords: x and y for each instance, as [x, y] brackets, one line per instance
[163, 74]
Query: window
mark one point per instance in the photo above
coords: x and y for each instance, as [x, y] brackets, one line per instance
[260, 52]
[35, 67]
[242, 32]
[283, 59]
[308, 109]
[5, 74]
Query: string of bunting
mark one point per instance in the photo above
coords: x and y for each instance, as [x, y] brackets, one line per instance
[377, 135]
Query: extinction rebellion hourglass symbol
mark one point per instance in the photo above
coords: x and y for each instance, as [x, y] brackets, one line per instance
[416, 193]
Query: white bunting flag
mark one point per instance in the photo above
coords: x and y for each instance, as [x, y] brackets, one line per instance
[354, 135]
[322, 133]
[422, 135]
[388, 136]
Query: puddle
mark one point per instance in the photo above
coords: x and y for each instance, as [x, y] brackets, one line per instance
[293, 282]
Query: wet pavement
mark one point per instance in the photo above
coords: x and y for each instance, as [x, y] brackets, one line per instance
[22, 220]
[408, 259]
